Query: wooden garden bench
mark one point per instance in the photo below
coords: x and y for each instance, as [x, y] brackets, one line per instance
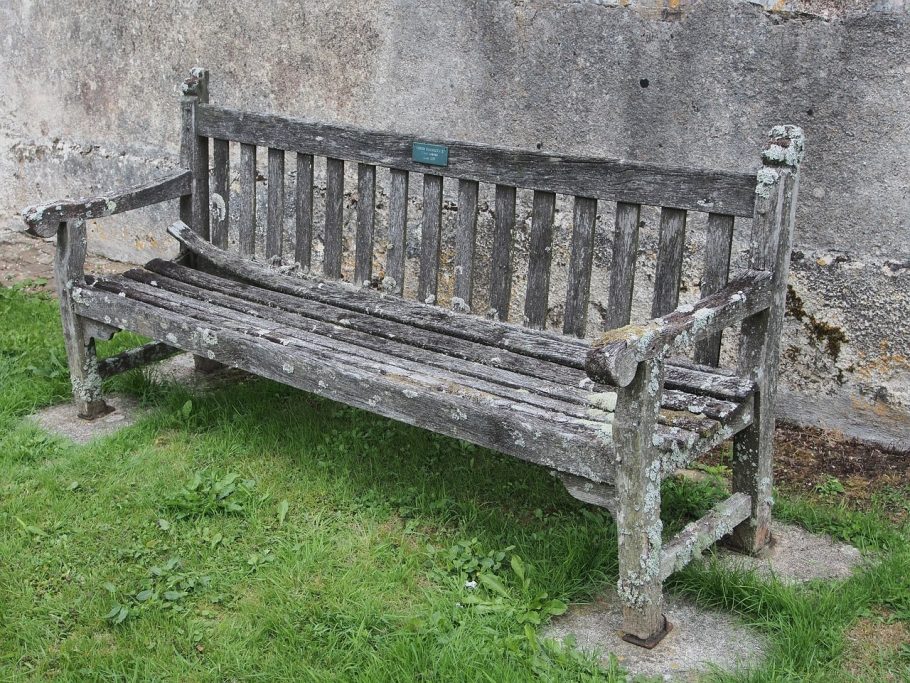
[612, 418]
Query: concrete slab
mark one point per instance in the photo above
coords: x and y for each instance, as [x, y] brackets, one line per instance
[796, 556]
[699, 640]
[63, 421]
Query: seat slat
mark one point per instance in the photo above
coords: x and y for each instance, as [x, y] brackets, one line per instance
[501, 257]
[622, 270]
[465, 239]
[366, 211]
[430, 237]
[398, 227]
[275, 216]
[335, 326]
[421, 399]
[334, 201]
[247, 234]
[669, 261]
[578, 284]
[541, 250]
[221, 192]
[303, 246]
[718, 242]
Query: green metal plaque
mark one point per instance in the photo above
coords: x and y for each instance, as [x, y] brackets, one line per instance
[427, 153]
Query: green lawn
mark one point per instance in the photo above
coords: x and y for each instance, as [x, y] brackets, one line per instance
[254, 532]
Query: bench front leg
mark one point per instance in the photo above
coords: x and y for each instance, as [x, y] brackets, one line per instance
[69, 261]
[638, 522]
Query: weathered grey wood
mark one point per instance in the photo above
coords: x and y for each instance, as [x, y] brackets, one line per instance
[344, 341]
[334, 201]
[69, 263]
[44, 220]
[669, 261]
[194, 148]
[697, 437]
[501, 256]
[511, 342]
[135, 358]
[772, 234]
[587, 491]
[718, 242]
[303, 248]
[540, 250]
[638, 511]
[541, 344]
[703, 533]
[610, 179]
[246, 240]
[578, 283]
[421, 399]
[398, 227]
[465, 238]
[452, 353]
[710, 384]
[366, 211]
[622, 269]
[430, 238]
[221, 193]
[274, 229]
[616, 354]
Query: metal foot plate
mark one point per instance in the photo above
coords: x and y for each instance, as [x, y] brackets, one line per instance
[653, 640]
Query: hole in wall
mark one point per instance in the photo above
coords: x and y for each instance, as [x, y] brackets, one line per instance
[643, 82]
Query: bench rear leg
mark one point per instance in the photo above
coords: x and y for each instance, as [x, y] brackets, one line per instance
[759, 351]
[638, 511]
[69, 262]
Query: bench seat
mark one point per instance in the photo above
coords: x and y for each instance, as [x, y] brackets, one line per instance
[350, 344]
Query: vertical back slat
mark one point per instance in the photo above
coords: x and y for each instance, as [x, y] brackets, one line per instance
[622, 271]
[398, 224]
[275, 220]
[540, 249]
[303, 246]
[430, 235]
[366, 211]
[501, 258]
[465, 236]
[669, 261]
[578, 286]
[334, 199]
[246, 240]
[718, 242]
[221, 192]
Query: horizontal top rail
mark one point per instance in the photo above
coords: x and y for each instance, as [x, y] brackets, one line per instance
[694, 189]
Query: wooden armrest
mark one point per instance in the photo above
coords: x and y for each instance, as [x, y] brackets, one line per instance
[614, 357]
[43, 220]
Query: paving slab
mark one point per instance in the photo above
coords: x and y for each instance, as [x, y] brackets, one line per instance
[62, 419]
[796, 556]
[700, 640]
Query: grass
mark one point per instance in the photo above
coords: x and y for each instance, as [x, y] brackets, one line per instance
[254, 532]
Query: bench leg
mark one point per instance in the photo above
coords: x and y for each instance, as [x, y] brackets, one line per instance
[638, 511]
[753, 447]
[80, 348]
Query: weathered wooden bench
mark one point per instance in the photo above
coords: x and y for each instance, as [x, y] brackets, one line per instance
[612, 419]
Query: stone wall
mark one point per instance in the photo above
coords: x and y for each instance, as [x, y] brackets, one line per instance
[89, 102]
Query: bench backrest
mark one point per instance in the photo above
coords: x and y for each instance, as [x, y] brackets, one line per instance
[585, 183]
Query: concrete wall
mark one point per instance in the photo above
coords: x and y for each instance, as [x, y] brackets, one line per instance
[89, 101]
